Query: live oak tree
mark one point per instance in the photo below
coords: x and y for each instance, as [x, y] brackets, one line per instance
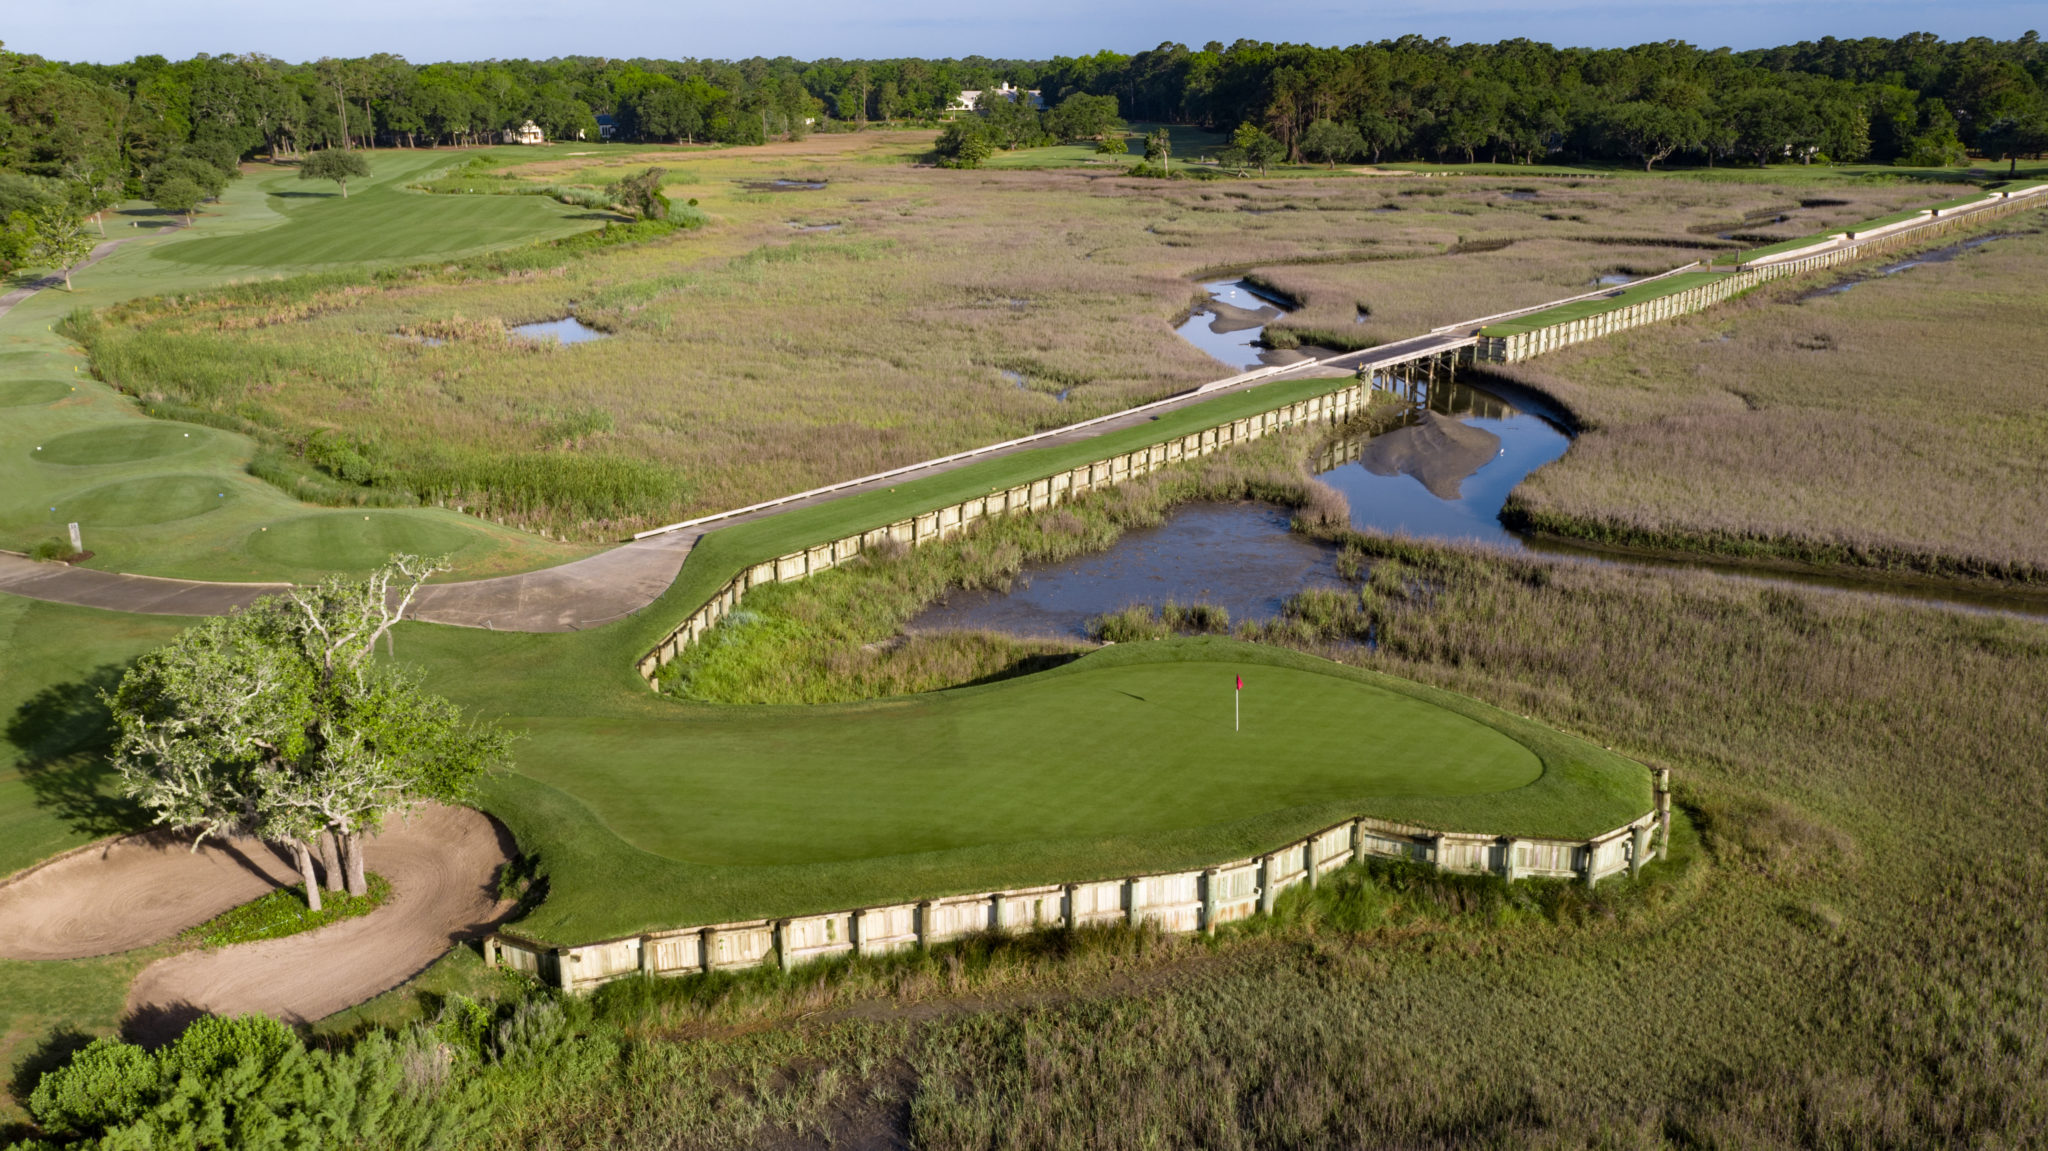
[278, 722]
[337, 164]
[178, 194]
[1252, 147]
[61, 242]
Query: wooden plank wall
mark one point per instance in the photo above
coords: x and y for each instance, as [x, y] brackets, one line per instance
[1035, 496]
[1511, 349]
[1177, 902]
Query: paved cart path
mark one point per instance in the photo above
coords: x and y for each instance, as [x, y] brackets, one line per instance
[613, 584]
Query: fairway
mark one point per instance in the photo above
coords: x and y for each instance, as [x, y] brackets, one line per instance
[381, 221]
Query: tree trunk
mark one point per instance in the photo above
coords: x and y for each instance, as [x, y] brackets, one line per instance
[330, 861]
[305, 859]
[352, 847]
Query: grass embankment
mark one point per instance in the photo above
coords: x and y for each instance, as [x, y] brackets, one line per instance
[1890, 429]
[284, 912]
[755, 359]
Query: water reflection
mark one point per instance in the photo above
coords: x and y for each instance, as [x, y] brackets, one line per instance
[1241, 557]
[1445, 469]
[1230, 326]
[567, 330]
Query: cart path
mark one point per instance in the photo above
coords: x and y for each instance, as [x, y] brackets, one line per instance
[613, 584]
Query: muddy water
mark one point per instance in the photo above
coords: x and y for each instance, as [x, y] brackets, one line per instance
[1239, 556]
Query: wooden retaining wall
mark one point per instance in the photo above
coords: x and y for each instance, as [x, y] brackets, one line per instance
[1179, 902]
[1037, 495]
[1824, 254]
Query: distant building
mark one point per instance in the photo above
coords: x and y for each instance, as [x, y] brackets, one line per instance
[965, 101]
[607, 127]
[527, 133]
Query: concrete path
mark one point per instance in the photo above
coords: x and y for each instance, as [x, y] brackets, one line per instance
[151, 595]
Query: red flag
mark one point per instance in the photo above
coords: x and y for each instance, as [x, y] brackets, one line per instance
[1240, 683]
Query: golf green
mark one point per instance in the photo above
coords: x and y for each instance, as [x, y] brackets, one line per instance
[648, 813]
[119, 444]
[156, 500]
[1108, 751]
[24, 393]
[357, 541]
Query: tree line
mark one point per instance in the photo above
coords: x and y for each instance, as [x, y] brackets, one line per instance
[77, 137]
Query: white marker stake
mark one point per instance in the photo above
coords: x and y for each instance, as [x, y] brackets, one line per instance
[77, 544]
[1237, 706]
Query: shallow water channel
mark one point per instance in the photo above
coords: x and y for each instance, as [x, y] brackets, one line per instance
[1231, 324]
[1442, 472]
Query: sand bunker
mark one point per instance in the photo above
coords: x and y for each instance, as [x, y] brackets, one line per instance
[145, 889]
[1437, 450]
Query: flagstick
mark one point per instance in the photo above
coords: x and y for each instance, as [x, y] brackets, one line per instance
[1237, 710]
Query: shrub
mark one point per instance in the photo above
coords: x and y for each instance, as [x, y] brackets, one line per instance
[105, 1084]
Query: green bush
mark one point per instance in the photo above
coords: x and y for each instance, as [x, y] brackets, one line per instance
[104, 1084]
[284, 912]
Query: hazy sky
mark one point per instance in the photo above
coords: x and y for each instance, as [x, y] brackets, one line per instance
[428, 30]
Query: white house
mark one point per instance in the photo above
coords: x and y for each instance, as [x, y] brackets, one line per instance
[527, 133]
[965, 101]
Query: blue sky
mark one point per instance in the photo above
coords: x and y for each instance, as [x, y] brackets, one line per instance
[427, 30]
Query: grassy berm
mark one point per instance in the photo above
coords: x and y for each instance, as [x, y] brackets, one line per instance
[1882, 423]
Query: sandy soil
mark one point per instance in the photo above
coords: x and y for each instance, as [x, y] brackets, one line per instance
[130, 893]
[441, 864]
[145, 889]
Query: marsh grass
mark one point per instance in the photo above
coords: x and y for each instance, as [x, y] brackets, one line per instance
[1845, 950]
[839, 636]
[1893, 426]
[746, 361]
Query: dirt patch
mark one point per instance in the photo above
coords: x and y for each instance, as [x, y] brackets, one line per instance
[442, 865]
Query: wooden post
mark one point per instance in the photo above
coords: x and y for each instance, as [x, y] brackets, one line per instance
[1663, 812]
[924, 924]
[1131, 890]
[707, 950]
[783, 945]
[490, 951]
[1639, 848]
[1507, 867]
[1209, 901]
[1269, 889]
[646, 956]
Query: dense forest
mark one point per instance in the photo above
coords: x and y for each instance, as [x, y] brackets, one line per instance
[74, 134]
